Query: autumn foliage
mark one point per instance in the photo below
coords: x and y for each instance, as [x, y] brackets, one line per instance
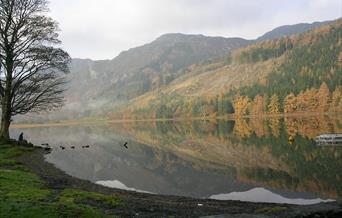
[300, 74]
[320, 101]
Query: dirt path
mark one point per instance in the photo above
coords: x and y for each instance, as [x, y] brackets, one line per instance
[147, 205]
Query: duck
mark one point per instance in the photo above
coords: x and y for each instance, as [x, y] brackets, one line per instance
[47, 149]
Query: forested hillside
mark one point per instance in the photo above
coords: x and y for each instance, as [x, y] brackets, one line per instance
[179, 75]
[309, 80]
[300, 73]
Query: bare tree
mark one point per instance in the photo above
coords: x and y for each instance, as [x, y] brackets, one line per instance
[31, 67]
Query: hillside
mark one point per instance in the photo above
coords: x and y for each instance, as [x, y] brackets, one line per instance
[288, 30]
[98, 86]
[291, 74]
[151, 66]
[191, 66]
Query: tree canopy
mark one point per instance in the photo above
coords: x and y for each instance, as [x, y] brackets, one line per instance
[32, 66]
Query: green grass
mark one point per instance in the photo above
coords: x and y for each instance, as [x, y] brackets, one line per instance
[8, 152]
[23, 186]
[72, 196]
[24, 194]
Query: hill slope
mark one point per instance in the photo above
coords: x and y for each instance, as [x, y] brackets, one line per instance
[288, 30]
[188, 65]
[100, 85]
[292, 74]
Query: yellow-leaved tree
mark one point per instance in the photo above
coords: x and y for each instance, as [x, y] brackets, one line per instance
[274, 106]
[290, 103]
[240, 105]
[323, 98]
[336, 100]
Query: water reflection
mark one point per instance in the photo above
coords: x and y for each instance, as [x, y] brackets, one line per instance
[266, 196]
[249, 160]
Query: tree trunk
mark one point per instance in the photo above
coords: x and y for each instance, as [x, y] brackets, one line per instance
[5, 118]
[6, 101]
[4, 131]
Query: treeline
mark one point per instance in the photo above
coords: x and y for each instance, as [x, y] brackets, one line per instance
[170, 106]
[317, 101]
[320, 100]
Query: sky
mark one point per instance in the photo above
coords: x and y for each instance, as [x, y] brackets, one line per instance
[101, 29]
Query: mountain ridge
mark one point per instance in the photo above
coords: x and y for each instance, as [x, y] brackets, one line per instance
[146, 67]
[97, 87]
[288, 75]
[287, 30]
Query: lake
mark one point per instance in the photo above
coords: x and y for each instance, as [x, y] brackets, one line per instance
[244, 159]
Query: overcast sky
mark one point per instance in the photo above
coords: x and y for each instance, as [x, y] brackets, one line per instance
[101, 29]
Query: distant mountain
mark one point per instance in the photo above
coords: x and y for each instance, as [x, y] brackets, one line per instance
[297, 74]
[288, 30]
[96, 87]
[108, 83]
[156, 64]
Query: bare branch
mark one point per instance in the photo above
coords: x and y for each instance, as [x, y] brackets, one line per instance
[31, 68]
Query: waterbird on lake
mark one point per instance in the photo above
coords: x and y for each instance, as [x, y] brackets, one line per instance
[86, 146]
[125, 145]
[62, 147]
[47, 148]
[72, 147]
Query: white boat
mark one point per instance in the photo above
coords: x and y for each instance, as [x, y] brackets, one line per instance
[329, 139]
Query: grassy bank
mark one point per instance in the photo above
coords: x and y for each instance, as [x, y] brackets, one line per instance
[24, 194]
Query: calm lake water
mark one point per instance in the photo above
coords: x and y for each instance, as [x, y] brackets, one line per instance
[248, 160]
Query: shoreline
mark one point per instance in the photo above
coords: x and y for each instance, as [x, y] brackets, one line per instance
[149, 205]
[64, 123]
